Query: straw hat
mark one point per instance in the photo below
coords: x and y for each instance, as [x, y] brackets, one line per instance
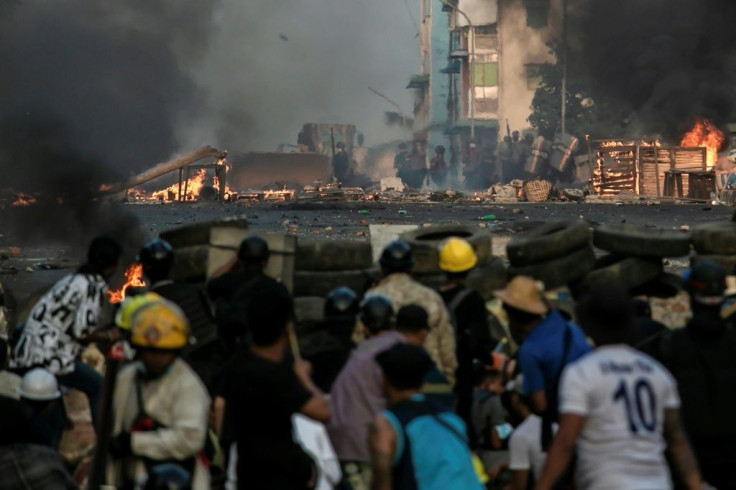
[525, 294]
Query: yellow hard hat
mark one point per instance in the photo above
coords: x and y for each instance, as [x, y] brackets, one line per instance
[130, 305]
[160, 325]
[457, 255]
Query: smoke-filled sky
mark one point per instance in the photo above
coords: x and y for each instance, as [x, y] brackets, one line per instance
[261, 88]
[669, 61]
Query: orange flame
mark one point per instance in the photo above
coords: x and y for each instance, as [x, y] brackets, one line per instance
[133, 278]
[24, 200]
[705, 134]
[193, 187]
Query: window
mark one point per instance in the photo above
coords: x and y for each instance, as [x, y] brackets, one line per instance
[537, 13]
[533, 76]
[486, 74]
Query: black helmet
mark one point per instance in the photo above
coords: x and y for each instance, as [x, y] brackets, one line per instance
[706, 283]
[253, 249]
[342, 303]
[397, 257]
[156, 252]
[340, 144]
[376, 313]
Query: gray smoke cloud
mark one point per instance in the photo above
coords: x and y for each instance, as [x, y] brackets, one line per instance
[272, 66]
[91, 92]
[670, 61]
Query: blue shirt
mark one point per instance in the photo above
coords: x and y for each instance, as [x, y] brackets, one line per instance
[540, 356]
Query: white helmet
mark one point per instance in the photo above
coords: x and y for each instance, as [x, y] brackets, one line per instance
[39, 384]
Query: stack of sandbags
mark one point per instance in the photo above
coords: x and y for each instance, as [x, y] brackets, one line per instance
[192, 245]
[489, 274]
[557, 253]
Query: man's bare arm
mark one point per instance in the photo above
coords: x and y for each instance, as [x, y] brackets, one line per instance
[382, 441]
[680, 451]
[519, 480]
[561, 451]
[538, 401]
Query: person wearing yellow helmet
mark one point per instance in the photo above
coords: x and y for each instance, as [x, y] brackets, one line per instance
[161, 406]
[467, 309]
[129, 306]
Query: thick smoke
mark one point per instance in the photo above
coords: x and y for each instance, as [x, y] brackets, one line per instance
[90, 92]
[273, 65]
[669, 61]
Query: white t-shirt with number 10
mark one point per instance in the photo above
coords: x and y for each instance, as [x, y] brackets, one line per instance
[623, 395]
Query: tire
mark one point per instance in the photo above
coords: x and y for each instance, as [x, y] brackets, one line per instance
[560, 271]
[715, 238]
[728, 262]
[309, 309]
[547, 243]
[667, 285]
[489, 278]
[314, 283]
[424, 243]
[199, 233]
[190, 263]
[631, 272]
[641, 241]
[333, 255]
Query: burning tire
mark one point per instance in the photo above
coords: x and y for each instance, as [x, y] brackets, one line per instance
[630, 272]
[641, 241]
[553, 241]
[728, 262]
[715, 238]
[329, 255]
[199, 233]
[560, 271]
[320, 283]
[424, 243]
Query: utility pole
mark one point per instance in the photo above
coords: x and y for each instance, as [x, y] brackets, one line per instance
[563, 61]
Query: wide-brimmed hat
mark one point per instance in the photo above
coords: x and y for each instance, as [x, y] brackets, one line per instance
[525, 294]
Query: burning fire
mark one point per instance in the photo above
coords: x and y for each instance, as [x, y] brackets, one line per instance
[705, 134]
[191, 188]
[24, 200]
[133, 278]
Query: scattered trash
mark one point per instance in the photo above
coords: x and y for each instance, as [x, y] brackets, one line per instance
[684, 228]
[329, 228]
[363, 222]
[365, 212]
[517, 211]
[488, 217]
[402, 212]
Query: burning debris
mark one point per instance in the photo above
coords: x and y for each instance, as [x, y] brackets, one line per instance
[24, 200]
[706, 135]
[133, 279]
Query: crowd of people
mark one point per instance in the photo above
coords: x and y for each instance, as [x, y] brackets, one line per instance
[482, 164]
[404, 388]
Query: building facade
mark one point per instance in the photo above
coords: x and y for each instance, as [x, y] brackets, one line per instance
[480, 68]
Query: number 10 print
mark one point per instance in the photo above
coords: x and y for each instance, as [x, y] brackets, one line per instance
[640, 405]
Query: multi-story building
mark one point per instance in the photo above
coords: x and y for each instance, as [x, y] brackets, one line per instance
[480, 67]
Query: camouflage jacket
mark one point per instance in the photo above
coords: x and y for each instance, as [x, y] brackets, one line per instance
[440, 343]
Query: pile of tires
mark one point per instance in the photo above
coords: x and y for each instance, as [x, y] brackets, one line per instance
[556, 254]
[323, 265]
[635, 257]
[716, 242]
[488, 276]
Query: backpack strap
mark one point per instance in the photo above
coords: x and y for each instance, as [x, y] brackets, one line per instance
[549, 417]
